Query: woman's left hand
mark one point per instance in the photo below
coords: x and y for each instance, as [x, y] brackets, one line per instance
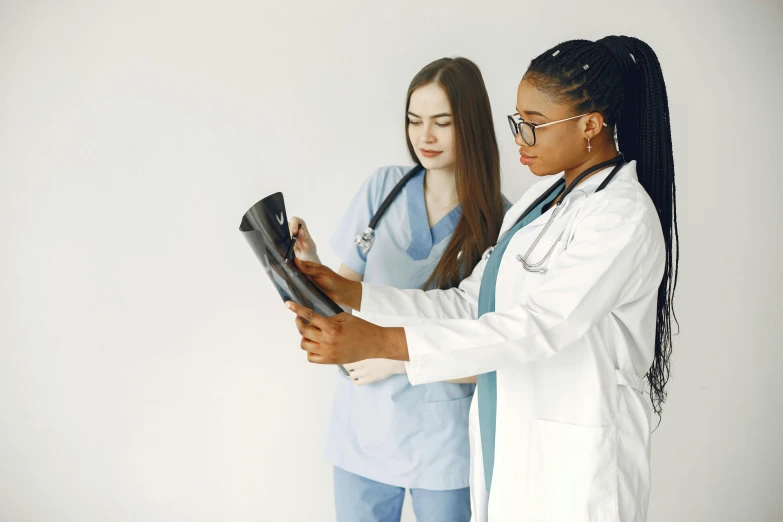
[344, 338]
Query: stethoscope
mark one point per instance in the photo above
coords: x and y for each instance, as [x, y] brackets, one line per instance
[366, 239]
[537, 267]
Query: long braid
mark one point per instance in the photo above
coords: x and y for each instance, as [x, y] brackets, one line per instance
[621, 78]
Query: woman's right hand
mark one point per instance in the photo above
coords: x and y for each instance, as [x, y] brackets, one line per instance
[304, 248]
[340, 289]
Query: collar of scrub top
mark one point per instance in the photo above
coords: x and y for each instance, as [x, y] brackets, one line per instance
[365, 239]
[424, 237]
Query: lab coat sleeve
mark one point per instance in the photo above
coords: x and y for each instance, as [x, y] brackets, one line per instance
[392, 306]
[602, 267]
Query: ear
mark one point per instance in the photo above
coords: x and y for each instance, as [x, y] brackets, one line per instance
[592, 124]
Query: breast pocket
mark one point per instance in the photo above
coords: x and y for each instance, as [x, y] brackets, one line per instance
[572, 473]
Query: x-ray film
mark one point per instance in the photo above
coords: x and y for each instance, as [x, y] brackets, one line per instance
[265, 227]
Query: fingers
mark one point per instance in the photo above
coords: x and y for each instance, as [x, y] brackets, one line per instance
[316, 358]
[294, 228]
[311, 347]
[313, 354]
[358, 372]
[368, 378]
[308, 315]
[312, 333]
[293, 224]
[362, 373]
[308, 331]
[352, 367]
[308, 268]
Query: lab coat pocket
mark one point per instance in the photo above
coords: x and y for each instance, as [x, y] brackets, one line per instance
[573, 473]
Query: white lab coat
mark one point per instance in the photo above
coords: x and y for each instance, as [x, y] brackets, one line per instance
[570, 348]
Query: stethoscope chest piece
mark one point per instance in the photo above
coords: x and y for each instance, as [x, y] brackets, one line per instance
[365, 240]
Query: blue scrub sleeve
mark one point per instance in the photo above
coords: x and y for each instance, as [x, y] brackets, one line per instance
[356, 218]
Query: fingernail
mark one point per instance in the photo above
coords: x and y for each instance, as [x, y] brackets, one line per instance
[288, 305]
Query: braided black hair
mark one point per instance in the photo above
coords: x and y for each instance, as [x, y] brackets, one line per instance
[621, 78]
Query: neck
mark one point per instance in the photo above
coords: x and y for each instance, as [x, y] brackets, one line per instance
[440, 185]
[605, 154]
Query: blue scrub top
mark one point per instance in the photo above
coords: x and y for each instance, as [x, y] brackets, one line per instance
[389, 431]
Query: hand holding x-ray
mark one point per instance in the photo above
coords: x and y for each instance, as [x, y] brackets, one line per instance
[267, 231]
[345, 338]
[305, 247]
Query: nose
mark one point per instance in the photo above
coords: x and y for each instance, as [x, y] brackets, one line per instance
[428, 136]
[519, 141]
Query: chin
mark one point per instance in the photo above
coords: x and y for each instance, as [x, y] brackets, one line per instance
[540, 170]
[434, 163]
[536, 169]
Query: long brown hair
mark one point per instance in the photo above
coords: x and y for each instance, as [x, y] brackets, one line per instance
[477, 166]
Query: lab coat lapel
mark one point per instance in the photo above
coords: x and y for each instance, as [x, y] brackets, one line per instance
[534, 192]
[527, 199]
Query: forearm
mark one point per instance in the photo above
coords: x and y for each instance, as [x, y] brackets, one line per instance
[397, 349]
[380, 301]
[350, 295]
[394, 347]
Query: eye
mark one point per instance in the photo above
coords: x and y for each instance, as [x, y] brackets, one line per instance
[443, 124]
[414, 123]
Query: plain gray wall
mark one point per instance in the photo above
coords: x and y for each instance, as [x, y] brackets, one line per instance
[147, 370]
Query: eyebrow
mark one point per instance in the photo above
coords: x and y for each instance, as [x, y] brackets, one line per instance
[532, 113]
[441, 115]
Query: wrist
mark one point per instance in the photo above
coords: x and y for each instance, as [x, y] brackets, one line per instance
[310, 256]
[353, 295]
[394, 345]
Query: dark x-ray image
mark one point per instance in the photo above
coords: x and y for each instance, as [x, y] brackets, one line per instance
[265, 227]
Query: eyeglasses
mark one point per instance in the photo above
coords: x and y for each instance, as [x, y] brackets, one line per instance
[528, 130]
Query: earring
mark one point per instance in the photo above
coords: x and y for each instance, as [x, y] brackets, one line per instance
[589, 148]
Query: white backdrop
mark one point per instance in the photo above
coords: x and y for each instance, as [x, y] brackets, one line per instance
[147, 370]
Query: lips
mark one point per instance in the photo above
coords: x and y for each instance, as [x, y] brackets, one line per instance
[525, 159]
[430, 153]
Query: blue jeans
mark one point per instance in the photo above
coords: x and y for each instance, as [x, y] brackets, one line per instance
[358, 499]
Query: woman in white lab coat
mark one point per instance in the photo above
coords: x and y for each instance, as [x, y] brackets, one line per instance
[569, 316]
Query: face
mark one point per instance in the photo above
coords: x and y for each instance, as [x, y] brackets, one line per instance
[430, 127]
[558, 147]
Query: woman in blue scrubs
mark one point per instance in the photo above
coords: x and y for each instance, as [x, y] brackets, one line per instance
[385, 435]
